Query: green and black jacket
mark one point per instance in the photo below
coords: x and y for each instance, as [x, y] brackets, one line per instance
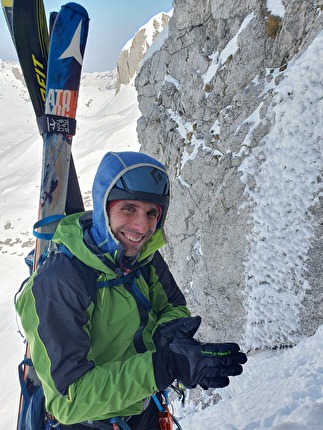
[93, 351]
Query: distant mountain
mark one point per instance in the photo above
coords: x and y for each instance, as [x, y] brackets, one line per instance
[135, 49]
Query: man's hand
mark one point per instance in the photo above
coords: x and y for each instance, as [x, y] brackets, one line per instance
[179, 356]
[206, 364]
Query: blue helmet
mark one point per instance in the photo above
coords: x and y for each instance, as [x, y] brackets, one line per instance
[146, 183]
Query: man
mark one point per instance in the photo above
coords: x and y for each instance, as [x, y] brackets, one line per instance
[106, 323]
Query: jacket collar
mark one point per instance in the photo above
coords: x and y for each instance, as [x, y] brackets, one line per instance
[74, 231]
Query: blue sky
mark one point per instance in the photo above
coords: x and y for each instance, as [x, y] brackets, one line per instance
[113, 23]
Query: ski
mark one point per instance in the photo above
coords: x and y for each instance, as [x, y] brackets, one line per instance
[30, 36]
[53, 82]
[67, 45]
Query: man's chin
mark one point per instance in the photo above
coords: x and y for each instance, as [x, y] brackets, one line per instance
[133, 249]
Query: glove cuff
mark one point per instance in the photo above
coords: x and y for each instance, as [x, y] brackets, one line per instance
[164, 371]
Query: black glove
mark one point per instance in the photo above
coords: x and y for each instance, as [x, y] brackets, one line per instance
[193, 362]
[206, 364]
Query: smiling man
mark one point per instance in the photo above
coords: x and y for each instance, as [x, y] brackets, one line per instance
[133, 223]
[106, 323]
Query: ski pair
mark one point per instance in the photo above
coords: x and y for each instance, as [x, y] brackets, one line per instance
[27, 24]
[51, 66]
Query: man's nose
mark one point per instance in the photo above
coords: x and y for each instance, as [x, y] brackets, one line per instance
[140, 224]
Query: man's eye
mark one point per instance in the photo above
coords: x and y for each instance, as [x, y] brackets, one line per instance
[153, 214]
[128, 209]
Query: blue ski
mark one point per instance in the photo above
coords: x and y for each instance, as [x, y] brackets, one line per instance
[67, 45]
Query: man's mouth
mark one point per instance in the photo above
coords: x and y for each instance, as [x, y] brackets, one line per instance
[133, 238]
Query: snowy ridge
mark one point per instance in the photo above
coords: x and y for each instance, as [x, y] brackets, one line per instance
[131, 56]
[149, 29]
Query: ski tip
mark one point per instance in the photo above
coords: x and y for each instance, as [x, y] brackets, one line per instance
[77, 8]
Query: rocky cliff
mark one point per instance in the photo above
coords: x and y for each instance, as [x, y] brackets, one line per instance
[232, 104]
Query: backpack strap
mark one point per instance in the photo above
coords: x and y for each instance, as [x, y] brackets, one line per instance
[62, 248]
[46, 221]
[127, 279]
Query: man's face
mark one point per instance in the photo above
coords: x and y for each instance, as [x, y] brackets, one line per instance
[133, 223]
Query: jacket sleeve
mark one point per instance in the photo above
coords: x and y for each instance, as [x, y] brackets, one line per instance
[55, 311]
[167, 299]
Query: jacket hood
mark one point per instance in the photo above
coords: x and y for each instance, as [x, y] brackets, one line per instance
[112, 167]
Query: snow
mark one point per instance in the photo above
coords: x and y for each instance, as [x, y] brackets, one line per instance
[279, 389]
[231, 48]
[286, 187]
[276, 7]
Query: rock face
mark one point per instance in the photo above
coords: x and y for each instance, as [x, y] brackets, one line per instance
[232, 104]
[134, 51]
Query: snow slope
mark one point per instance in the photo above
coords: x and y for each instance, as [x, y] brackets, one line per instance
[279, 390]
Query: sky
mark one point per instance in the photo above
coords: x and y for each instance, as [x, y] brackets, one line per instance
[112, 24]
